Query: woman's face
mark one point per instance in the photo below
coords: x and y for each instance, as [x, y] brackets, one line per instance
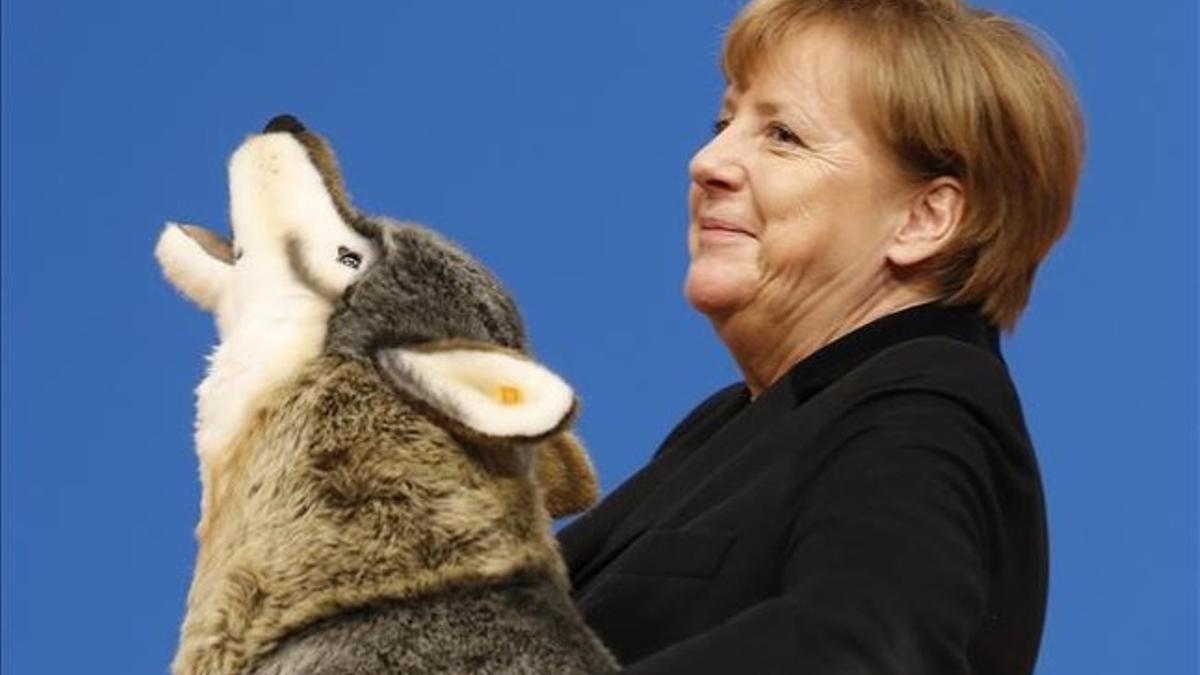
[792, 204]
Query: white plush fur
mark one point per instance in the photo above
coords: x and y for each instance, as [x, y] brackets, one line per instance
[473, 383]
[199, 276]
[261, 352]
[276, 192]
[270, 323]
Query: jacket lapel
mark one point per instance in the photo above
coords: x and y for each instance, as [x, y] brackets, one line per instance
[588, 542]
[681, 472]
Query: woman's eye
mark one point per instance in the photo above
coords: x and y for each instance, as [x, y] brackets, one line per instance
[780, 132]
[719, 126]
[349, 258]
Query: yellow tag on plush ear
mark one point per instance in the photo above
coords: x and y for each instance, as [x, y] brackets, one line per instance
[509, 395]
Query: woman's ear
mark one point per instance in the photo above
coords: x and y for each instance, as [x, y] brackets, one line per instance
[568, 481]
[932, 218]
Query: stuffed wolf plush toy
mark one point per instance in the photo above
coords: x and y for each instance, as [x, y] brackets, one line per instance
[378, 452]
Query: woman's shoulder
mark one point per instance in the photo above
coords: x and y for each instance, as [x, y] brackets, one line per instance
[942, 366]
[935, 392]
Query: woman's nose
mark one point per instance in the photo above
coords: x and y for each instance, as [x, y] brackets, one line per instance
[717, 166]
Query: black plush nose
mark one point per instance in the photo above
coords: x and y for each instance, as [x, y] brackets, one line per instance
[285, 123]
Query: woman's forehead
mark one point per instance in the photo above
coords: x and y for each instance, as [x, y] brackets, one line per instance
[808, 72]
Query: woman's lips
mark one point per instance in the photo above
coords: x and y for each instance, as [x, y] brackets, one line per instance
[717, 230]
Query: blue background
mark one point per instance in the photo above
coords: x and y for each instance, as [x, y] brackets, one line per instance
[551, 139]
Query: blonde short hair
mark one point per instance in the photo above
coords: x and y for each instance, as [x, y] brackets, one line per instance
[952, 90]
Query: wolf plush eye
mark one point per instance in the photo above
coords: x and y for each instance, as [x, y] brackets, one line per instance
[349, 258]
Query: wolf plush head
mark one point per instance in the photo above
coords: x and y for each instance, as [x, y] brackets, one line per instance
[307, 274]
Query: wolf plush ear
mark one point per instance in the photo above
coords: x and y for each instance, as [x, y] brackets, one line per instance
[485, 394]
[196, 261]
[568, 481]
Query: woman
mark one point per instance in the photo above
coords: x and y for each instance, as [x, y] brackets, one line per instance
[885, 178]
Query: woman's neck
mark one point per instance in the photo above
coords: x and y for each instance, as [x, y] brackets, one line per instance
[766, 344]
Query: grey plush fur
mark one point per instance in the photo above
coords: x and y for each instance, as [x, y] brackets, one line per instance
[427, 290]
[356, 527]
[525, 635]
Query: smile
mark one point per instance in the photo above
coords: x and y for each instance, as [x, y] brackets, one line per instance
[714, 229]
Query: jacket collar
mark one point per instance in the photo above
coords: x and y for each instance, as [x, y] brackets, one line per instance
[829, 363]
[697, 448]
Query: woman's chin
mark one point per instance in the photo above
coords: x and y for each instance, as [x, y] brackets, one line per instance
[716, 289]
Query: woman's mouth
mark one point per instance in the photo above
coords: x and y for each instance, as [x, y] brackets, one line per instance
[715, 230]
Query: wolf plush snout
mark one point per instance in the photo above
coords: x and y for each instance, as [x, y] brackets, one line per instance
[283, 123]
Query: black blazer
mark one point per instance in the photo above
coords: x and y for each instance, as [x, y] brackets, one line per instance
[878, 510]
